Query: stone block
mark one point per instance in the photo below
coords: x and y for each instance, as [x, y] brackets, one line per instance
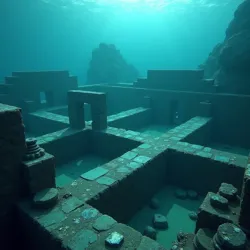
[210, 216]
[99, 122]
[76, 113]
[39, 174]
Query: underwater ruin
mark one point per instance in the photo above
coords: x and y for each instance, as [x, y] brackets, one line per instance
[158, 163]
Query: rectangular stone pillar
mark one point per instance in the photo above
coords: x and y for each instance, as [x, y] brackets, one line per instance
[12, 149]
[75, 111]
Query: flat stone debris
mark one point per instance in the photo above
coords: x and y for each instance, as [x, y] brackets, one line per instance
[94, 173]
[104, 223]
[71, 204]
[104, 180]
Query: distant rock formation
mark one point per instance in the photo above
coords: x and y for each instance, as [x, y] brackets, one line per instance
[107, 65]
[229, 62]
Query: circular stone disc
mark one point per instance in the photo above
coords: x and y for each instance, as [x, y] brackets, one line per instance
[46, 198]
[230, 236]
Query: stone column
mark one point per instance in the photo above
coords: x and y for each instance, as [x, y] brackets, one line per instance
[12, 149]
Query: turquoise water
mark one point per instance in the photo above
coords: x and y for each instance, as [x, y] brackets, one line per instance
[151, 34]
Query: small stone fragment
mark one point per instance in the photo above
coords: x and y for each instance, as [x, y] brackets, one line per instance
[46, 198]
[160, 221]
[154, 203]
[150, 232]
[192, 195]
[181, 194]
[218, 201]
[193, 215]
[114, 240]
[228, 191]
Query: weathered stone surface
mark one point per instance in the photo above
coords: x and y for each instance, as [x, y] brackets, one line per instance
[94, 173]
[71, 204]
[230, 236]
[218, 201]
[46, 198]
[160, 221]
[228, 191]
[150, 232]
[82, 240]
[180, 194]
[104, 223]
[53, 218]
[114, 239]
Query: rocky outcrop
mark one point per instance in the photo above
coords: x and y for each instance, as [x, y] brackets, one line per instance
[229, 62]
[107, 65]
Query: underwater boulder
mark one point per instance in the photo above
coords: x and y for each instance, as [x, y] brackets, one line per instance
[107, 65]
